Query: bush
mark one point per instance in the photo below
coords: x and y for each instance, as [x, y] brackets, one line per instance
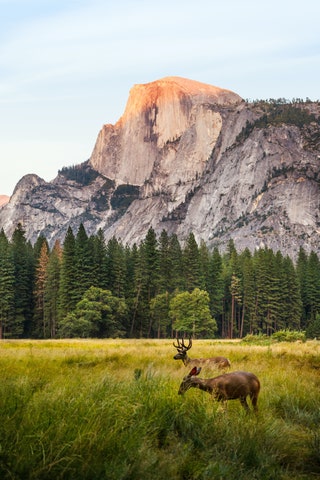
[289, 336]
[260, 339]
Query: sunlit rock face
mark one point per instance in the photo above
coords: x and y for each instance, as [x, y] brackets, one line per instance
[168, 130]
[178, 160]
[4, 199]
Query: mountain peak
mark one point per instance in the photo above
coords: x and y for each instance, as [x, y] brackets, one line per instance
[158, 117]
[172, 89]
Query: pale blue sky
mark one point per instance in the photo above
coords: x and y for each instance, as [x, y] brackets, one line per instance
[66, 66]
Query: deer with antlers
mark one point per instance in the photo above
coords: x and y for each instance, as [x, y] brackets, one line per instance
[217, 362]
[229, 386]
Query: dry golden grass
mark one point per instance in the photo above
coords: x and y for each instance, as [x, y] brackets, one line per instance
[92, 409]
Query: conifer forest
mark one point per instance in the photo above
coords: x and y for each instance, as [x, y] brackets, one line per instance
[87, 287]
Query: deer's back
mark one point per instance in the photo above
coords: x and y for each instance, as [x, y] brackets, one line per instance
[220, 362]
[235, 385]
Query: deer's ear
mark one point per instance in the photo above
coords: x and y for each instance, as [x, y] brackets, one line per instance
[194, 371]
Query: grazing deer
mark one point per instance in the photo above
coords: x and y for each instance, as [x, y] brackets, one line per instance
[219, 362]
[229, 386]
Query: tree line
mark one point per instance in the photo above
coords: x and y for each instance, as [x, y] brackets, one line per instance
[87, 287]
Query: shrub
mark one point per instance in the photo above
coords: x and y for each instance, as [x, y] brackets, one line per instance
[289, 336]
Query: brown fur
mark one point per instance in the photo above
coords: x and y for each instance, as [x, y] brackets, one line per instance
[229, 386]
[219, 362]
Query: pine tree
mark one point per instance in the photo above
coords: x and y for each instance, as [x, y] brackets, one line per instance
[6, 285]
[24, 281]
[116, 265]
[165, 266]
[248, 319]
[176, 261]
[150, 273]
[262, 273]
[84, 268]
[100, 268]
[139, 302]
[313, 285]
[191, 264]
[268, 291]
[68, 287]
[302, 268]
[291, 297]
[204, 257]
[41, 328]
[51, 289]
[216, 288]
[151, 262]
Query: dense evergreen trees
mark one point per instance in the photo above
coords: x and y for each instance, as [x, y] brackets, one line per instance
[89, 288]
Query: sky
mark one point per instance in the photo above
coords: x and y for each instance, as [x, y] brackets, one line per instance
[67, 66]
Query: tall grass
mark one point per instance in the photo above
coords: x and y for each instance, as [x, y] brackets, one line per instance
[110, 410]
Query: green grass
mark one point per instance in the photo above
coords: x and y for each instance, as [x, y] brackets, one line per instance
[89, 409]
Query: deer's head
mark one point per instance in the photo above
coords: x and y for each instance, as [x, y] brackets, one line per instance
[182, 349]
[189, 380]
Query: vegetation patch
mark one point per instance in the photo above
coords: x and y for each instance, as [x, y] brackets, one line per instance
[127, 421]
[123, 196]
[83, 174]
[277, 114]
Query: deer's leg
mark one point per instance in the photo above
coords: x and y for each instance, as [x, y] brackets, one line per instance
[254, 400]
[244, 403]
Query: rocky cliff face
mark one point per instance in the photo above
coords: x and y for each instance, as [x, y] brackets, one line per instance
[185, 157]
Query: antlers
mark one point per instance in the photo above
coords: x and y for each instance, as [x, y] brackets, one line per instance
[181, 347]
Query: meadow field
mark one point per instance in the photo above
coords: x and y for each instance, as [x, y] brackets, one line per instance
[109, 409]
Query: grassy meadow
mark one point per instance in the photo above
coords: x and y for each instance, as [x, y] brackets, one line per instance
[109, 409]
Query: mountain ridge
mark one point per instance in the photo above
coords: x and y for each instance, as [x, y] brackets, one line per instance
[187, 156]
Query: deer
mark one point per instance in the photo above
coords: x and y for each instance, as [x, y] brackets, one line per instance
[229, 386]
[219, 362]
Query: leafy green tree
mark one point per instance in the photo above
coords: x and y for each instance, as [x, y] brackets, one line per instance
[190, 313]
[159, 308]
[97, 314]
[6, 285]
[73, 326]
